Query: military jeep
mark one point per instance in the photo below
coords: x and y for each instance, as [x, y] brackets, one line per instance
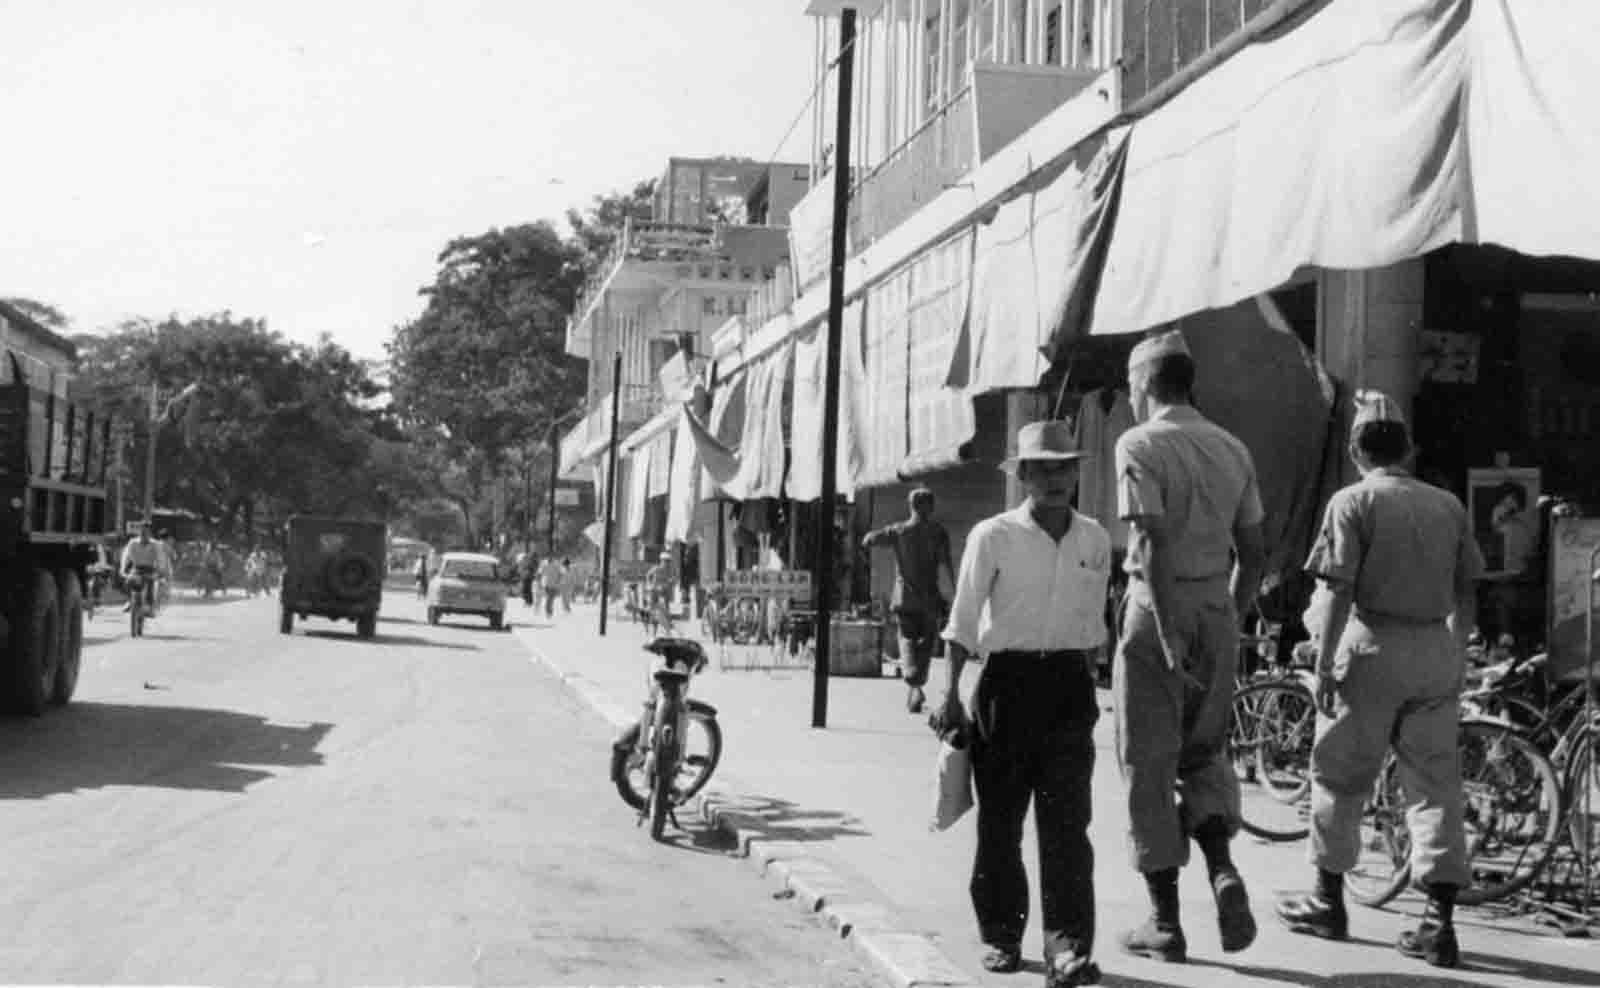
[333, 568]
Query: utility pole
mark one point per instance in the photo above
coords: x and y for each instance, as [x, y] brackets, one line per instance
[555, 477]
[611, 487]
[150, 455]
[823, 580]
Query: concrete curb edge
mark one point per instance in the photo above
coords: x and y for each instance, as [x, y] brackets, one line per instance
[903, 959]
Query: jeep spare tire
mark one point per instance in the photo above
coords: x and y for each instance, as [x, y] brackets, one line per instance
[351, 575]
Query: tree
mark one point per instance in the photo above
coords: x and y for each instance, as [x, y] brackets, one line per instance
[264, 425]
[484, 369]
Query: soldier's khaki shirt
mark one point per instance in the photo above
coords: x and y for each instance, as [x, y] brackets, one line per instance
[1198, 478]
[1404, 546]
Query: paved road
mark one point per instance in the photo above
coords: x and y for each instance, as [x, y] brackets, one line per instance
[224, 805]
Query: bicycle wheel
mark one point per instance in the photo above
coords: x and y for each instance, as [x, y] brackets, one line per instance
[1582, 778]
[1512, 810]
[700, 751]
[1274, 724]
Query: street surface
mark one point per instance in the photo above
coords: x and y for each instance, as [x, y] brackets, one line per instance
[856, 796]
[224, 805]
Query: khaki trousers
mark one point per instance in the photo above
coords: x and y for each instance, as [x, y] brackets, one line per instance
[1401, 685]
[1172, 741]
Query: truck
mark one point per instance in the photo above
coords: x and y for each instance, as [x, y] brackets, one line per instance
[54, 514]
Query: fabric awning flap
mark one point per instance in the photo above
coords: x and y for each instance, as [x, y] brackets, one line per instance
[683, 493]
[1345, 142]
[804, 482]
[1037, 268]
[636, 481]
[940, 422]
[761, 444]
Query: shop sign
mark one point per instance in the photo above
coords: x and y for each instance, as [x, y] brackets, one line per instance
[787, 583]
[1448, 358]
[1574, 543]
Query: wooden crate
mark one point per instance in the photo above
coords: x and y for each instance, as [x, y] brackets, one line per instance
[857, 649]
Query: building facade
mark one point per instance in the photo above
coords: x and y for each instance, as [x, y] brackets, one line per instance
[1036, 182]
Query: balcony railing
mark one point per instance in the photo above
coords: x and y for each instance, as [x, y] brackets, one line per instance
[648, 240]
[936, 156]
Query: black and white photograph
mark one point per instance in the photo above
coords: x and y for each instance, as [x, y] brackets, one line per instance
[800, 493]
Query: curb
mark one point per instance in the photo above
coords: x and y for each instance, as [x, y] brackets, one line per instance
[902, 958]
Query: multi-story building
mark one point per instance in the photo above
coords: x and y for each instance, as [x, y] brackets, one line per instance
[1035, 181]
[717, 231]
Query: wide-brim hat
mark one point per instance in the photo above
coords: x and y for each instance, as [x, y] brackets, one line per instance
[1048, 440]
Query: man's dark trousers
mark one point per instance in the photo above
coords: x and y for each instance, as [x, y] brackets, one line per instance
[1033, 738]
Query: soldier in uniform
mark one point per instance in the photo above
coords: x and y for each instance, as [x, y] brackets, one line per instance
[1398, 562]
[1188, 489]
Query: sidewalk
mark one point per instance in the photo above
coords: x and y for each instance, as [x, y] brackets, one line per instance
[856, 797]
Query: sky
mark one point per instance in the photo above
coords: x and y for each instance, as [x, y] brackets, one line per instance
[305, 161]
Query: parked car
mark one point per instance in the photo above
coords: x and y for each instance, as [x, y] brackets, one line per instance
[333, 568]
[468, 583]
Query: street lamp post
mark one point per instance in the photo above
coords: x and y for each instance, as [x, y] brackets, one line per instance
[158, 415]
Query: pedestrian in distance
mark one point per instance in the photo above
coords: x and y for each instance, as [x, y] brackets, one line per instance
[1188, 489]
[923, 567]
[569, 581]
[1398, 562]
[528, 574]
[420, 572]
[1029, 600]
[550, 577]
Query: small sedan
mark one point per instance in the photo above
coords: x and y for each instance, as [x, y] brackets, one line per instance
[468, 583]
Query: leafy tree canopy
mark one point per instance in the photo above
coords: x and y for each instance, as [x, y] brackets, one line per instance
[484, 367]
[263, 424]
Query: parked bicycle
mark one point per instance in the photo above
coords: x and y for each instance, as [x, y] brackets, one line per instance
[668, 756]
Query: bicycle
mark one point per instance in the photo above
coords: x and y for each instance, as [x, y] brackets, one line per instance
[138, 586]
[668, 756]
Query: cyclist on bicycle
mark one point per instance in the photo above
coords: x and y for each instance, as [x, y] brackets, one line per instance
[148, 558]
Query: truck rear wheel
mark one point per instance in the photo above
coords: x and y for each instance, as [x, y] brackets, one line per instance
[69, 592]
[37, 642]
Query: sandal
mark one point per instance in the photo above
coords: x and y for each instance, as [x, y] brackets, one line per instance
[1003, 960]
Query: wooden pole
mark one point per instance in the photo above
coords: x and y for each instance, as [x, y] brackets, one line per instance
[823, 580]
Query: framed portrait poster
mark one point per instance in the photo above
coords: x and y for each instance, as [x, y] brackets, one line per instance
[1573, 542]
[1503, 503]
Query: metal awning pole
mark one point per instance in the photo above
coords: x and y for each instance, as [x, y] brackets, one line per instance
[823, 580]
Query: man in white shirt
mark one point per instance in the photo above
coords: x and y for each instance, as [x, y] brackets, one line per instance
[1030, 599]
[149, 559]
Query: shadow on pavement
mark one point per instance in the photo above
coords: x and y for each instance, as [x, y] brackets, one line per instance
[392, 640]
[93, 745]
[767, 818]
[1412, 974]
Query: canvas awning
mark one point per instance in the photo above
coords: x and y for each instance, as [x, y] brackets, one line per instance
[1038, 264]
[1365, 133]
[804, 482]
[940, 422]
[761, 450]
